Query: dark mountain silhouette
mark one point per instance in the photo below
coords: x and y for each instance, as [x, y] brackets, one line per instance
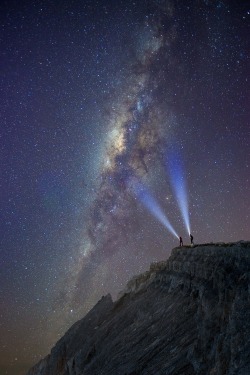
[187, 315]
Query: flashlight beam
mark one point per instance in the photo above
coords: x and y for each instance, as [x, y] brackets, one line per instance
[178, 183]
[153, 207]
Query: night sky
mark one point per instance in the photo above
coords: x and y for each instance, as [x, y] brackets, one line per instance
[94, 96]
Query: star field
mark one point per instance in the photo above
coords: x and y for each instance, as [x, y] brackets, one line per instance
[93, 96]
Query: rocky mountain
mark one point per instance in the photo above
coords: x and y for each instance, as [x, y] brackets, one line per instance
[187, 315]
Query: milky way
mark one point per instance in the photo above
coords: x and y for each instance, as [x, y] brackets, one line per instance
[121, 119]
[138, 132]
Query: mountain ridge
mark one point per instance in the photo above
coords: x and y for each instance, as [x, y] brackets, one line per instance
[187, 315]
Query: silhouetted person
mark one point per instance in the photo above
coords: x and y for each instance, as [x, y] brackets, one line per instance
[181, 242]
[191, 239]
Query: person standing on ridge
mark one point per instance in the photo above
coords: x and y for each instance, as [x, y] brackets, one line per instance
[181, 242]
[191, 239]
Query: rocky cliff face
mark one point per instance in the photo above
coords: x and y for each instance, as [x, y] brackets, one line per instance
[188, 315]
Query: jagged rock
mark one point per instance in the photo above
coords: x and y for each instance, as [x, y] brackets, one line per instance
[189, 315]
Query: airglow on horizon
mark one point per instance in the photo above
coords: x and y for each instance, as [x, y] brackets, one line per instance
[177, 178]
[145, 197]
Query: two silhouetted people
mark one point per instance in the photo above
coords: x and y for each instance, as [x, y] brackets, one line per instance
[191, 239]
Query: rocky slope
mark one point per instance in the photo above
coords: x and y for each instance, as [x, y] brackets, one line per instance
[187, 315]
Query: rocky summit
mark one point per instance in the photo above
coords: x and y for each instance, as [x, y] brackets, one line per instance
[187, 315]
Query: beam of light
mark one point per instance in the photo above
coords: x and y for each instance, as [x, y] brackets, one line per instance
[176, 172]
[151, 204]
